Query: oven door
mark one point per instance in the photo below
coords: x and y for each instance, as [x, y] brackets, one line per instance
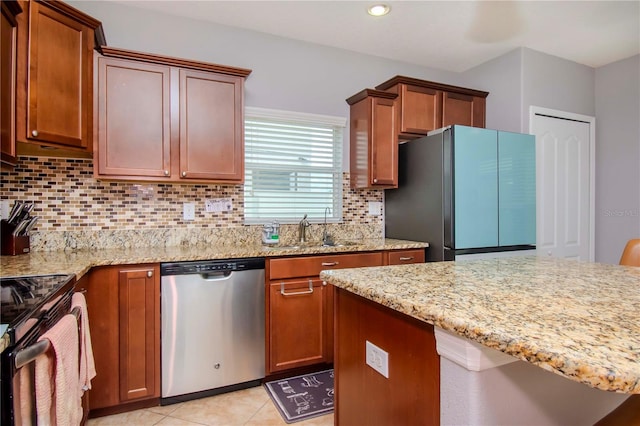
[18, 368]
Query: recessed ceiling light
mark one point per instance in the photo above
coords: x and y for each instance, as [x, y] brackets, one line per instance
[378, 10]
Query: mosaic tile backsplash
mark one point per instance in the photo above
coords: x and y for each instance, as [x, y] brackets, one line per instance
[77, 211]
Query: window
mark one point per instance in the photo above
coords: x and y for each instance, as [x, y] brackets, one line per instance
[293, 166]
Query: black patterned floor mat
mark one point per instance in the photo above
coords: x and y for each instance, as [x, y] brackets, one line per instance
[303, 397]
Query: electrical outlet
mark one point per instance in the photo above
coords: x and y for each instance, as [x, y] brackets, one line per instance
[4, 209]
[377, 359]
[375, 208]
[189, 211]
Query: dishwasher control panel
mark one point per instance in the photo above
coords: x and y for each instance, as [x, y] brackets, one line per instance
[205, 266]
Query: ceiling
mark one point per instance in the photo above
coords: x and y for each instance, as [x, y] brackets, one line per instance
[448, 35]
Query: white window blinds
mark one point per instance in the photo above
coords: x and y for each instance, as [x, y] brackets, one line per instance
[293, 166]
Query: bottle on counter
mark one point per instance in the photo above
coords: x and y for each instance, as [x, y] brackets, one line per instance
[271, 233]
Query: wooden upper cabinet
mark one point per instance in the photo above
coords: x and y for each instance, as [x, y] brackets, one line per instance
[419, 110]
[133, 118]
[165, 119]
[423, 105]
[211, 126]
[463, 109]
[8, 39]
[55, 77]
[374, 147]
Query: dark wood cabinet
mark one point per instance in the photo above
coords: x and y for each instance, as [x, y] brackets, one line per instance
[124, 316]
[404, 257]
[134, 131]
[55, 77]
[211, 126]
[424, 105]
[374, 147]
[410, 395]
[297, 324]
[187, 124]
[467, 110]
[139, 324]
[299, 308]
[8, 46]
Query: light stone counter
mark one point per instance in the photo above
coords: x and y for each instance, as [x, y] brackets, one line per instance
[576, 319]
[79, 262]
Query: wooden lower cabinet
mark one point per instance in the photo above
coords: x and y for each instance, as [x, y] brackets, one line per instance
[411, 393]
[299, 308]
[404, 257]
[297, 324]
[124, 316]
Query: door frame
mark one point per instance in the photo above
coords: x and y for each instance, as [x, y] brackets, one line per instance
[564, 115]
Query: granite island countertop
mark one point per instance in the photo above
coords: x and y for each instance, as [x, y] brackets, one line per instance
[576, 319]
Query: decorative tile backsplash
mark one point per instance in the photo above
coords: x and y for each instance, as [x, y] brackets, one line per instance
[78, 211]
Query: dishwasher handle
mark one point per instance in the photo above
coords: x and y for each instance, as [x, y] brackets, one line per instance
[215, 276]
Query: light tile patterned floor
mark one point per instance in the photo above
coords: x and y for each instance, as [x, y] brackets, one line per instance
[251, 407]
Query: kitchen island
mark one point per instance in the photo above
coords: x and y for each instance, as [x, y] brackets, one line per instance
[578, 320]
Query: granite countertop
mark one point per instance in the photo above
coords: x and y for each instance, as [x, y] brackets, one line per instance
[577, 319]
[81, 261]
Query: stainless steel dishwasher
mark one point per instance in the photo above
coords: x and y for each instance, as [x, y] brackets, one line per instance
[212, 327]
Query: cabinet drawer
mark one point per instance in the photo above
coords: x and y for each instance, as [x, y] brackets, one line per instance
[311, 266]
[400, 257]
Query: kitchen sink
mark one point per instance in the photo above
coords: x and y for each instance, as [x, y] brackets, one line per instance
[311, 245]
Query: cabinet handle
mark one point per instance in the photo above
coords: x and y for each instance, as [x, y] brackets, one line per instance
[375, 181]
[405, 259]
[166, 172]
[184, 174]
[34, 133]
[295, 293]
[149, 274]
[330, 263]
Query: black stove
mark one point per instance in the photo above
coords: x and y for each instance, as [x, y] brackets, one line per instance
[26, 300]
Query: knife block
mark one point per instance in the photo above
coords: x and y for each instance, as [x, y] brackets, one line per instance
[13, 245]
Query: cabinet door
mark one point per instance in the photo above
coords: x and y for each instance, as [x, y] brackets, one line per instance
[420, 110]
[8, 33]
[60, 73]
[463, 109]
[211, 126]
[384, 147]
[139, 326]
[102, 305]
[517, 188]
[475, 187]
[296, 323]
[134, 137]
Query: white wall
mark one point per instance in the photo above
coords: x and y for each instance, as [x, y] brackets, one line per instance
[502, 78]
[556, 83]
[617, 90]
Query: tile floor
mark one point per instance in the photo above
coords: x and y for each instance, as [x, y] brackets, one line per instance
[251, 407]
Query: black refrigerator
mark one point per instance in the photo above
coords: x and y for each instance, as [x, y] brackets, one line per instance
[465, 190]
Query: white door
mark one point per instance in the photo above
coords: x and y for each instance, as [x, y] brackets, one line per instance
[564, 180]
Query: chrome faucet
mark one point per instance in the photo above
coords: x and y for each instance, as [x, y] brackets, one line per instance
[302, 228]
[326, 238]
